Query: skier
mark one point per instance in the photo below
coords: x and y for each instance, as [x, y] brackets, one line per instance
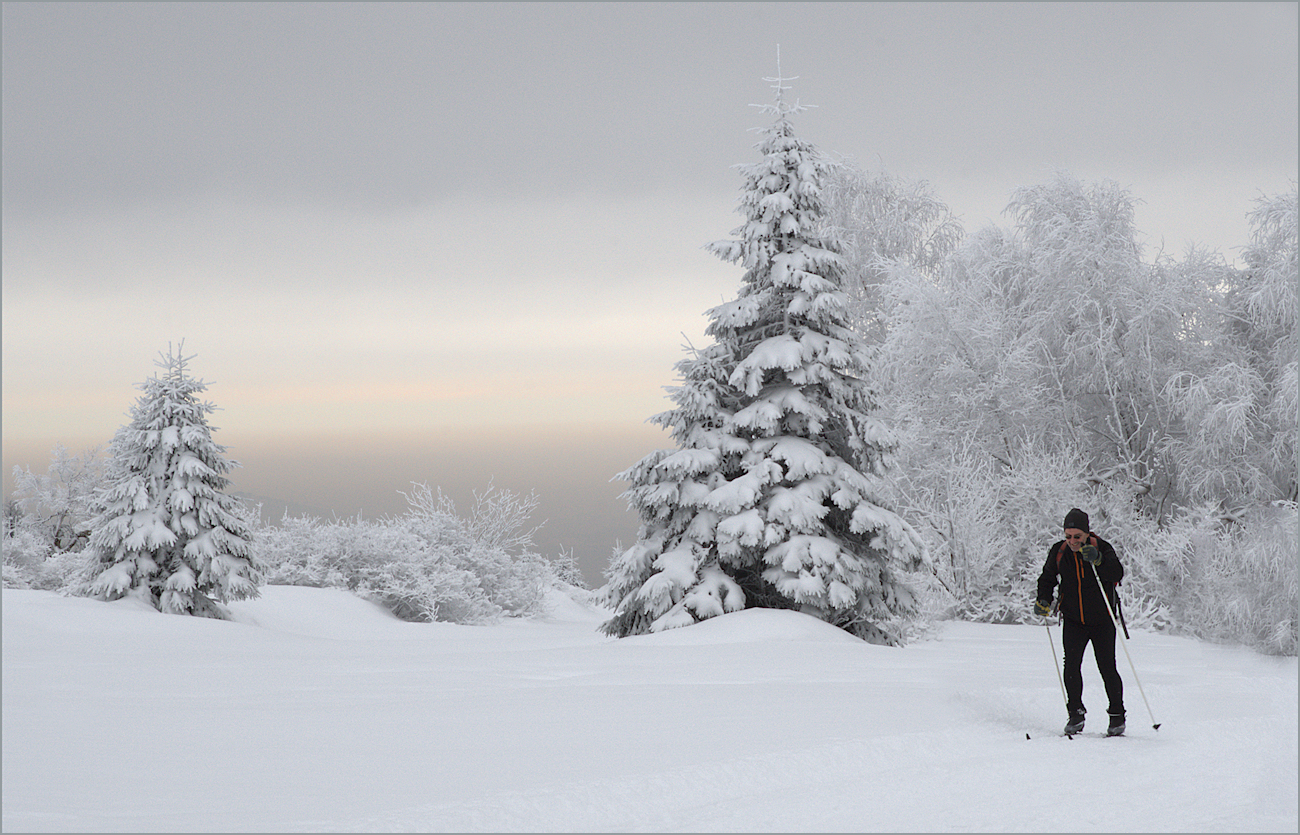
[1073, 562]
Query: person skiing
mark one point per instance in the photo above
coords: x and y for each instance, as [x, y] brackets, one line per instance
[1076, 563]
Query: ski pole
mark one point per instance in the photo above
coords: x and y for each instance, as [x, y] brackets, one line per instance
[1055, 663]
[1124, 643]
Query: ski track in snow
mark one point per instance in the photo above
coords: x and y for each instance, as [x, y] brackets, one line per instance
[914, 782]
[317, 711]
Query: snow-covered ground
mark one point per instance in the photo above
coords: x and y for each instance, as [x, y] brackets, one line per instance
[317, 711]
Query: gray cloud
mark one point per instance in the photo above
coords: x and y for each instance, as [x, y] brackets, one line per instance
[380, 105]
[390, 105]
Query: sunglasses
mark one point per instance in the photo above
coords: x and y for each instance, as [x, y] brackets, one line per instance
[1073, 537]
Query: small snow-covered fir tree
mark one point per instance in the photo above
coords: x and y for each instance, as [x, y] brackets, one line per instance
[772, 497]
[165, 530]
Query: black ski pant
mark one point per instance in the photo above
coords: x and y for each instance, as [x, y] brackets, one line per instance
[1075, 637]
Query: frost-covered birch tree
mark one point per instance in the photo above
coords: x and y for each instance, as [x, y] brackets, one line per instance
[58, 502]
[882, 220]
[1048, 365]
[1240, 404]
[772, 497]
[165, 530]
[46, 522]
[1031, 348]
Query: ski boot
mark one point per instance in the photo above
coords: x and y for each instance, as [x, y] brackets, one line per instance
[1076, 722]
[1116, 725]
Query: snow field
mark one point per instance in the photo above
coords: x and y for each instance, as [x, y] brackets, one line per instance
[317, 711]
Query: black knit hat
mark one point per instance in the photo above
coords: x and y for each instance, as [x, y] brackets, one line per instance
[1076, 519]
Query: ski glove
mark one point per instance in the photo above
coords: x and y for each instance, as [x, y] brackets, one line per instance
[1091, 554]
[1041, 608]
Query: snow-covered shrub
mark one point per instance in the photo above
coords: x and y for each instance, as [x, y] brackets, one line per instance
[12, 578]
[26, 553]
[1234, 576]
[381, 560]
[57, 572]
[429, 564]
[47, 519]
[308, 551]
[495, 519]
[491, 542]
[988, 527]
[393, 563]
[59, 502]
[296, 552]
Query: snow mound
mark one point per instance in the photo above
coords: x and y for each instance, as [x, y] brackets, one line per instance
[341, 615]
[54, 612]
[526, 726]
[317, 613]
[750, 626]
[574, 605]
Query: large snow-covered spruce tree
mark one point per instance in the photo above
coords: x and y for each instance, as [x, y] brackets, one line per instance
[771, 498]
[165, 530]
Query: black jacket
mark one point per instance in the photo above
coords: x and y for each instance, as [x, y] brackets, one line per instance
[1081, 600]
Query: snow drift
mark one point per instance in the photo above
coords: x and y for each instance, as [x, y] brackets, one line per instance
[318, 711]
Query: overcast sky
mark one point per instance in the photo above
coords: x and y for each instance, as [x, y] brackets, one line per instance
[450, 243]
